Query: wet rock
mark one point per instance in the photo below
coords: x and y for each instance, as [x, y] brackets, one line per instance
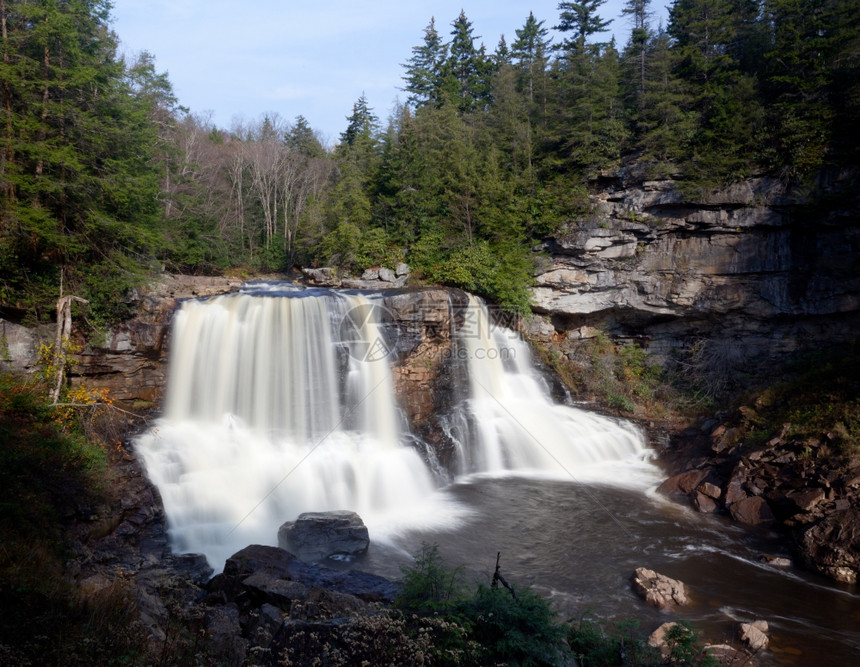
[318, 535]
[274, 590]
[683, 483]
[703, 503]
[832, 546]
[710, 490]
[754, 635]
[775, 561]
[805, 500]
[728, 656]
[225, 634]
[753, 511]
[281, 564]
[658, 590]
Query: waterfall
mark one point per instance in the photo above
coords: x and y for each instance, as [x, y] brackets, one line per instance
[271, 412]
[280, 401]
[509, 422]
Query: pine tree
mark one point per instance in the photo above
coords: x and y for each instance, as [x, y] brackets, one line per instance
[79, 184]
[587, 129]
[425, 69]
[636, 51]
[721, 98]
[302, 139]
[530, 53]
[466, 68]
[801, 60]
[582, 21]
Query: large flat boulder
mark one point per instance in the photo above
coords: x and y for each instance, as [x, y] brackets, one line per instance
[318, 535]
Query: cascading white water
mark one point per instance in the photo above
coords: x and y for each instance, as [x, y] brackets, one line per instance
[515, 426]
[273, 410]
[260, 425]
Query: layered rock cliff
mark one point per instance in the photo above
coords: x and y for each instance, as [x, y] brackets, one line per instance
[759, 266]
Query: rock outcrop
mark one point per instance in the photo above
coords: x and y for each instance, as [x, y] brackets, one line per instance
[754, 270]
[783, 483]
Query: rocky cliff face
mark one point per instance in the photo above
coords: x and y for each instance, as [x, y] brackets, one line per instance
[758, 266]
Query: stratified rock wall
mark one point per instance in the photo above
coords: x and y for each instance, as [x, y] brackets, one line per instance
[758, 263]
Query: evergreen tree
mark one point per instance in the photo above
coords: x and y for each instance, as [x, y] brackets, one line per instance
[425, 69]
[466, 68]
[502, 55]
[582, 21]
[801, 61]
[588, 126]
[302, 139]
[661, 125]
[530, 53]
[636, 51]
[79, 186]
[722, 98]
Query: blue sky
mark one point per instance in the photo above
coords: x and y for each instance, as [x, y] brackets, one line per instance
[241, 60]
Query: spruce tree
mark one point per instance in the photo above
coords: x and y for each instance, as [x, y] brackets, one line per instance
[79, 181]
[425, 69]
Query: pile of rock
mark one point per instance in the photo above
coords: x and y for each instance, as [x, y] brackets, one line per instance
[379, 277]
[782, 483]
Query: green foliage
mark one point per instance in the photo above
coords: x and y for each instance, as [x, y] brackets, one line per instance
[498, 627]
[47, 469]
[428, 585]
[819, 398]
[521, 631]
[622, 646]
[501, 272]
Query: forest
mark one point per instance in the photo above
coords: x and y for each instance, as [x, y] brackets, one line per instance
[105, 178]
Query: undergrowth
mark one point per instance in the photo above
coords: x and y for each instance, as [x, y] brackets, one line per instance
[816, 400]
[619, 377]
[48, 470]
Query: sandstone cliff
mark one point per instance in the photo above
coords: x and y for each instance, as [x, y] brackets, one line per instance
[759, 266]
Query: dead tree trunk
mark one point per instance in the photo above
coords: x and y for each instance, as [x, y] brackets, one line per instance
[499, 579]
[64, 330]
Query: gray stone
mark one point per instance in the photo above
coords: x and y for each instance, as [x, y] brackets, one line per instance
[387, 275]
[318, 535]
[401, 270]
[323, 277]
[370, 274]
[657, 639]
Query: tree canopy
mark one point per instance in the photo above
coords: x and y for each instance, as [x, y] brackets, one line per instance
[104, 176]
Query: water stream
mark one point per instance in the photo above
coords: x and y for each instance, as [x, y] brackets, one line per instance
[277, 403]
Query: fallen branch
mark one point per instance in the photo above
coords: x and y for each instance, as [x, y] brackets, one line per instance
[499, 579]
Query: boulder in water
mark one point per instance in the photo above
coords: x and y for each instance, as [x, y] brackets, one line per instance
[318, 535]
[657, 589]
[754, 635]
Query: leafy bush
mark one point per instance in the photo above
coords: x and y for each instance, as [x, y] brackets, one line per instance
[47, 468]
[502, 273]
[498, 627]
[594, 646]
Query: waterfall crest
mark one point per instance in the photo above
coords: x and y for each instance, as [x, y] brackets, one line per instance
[277, 405]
